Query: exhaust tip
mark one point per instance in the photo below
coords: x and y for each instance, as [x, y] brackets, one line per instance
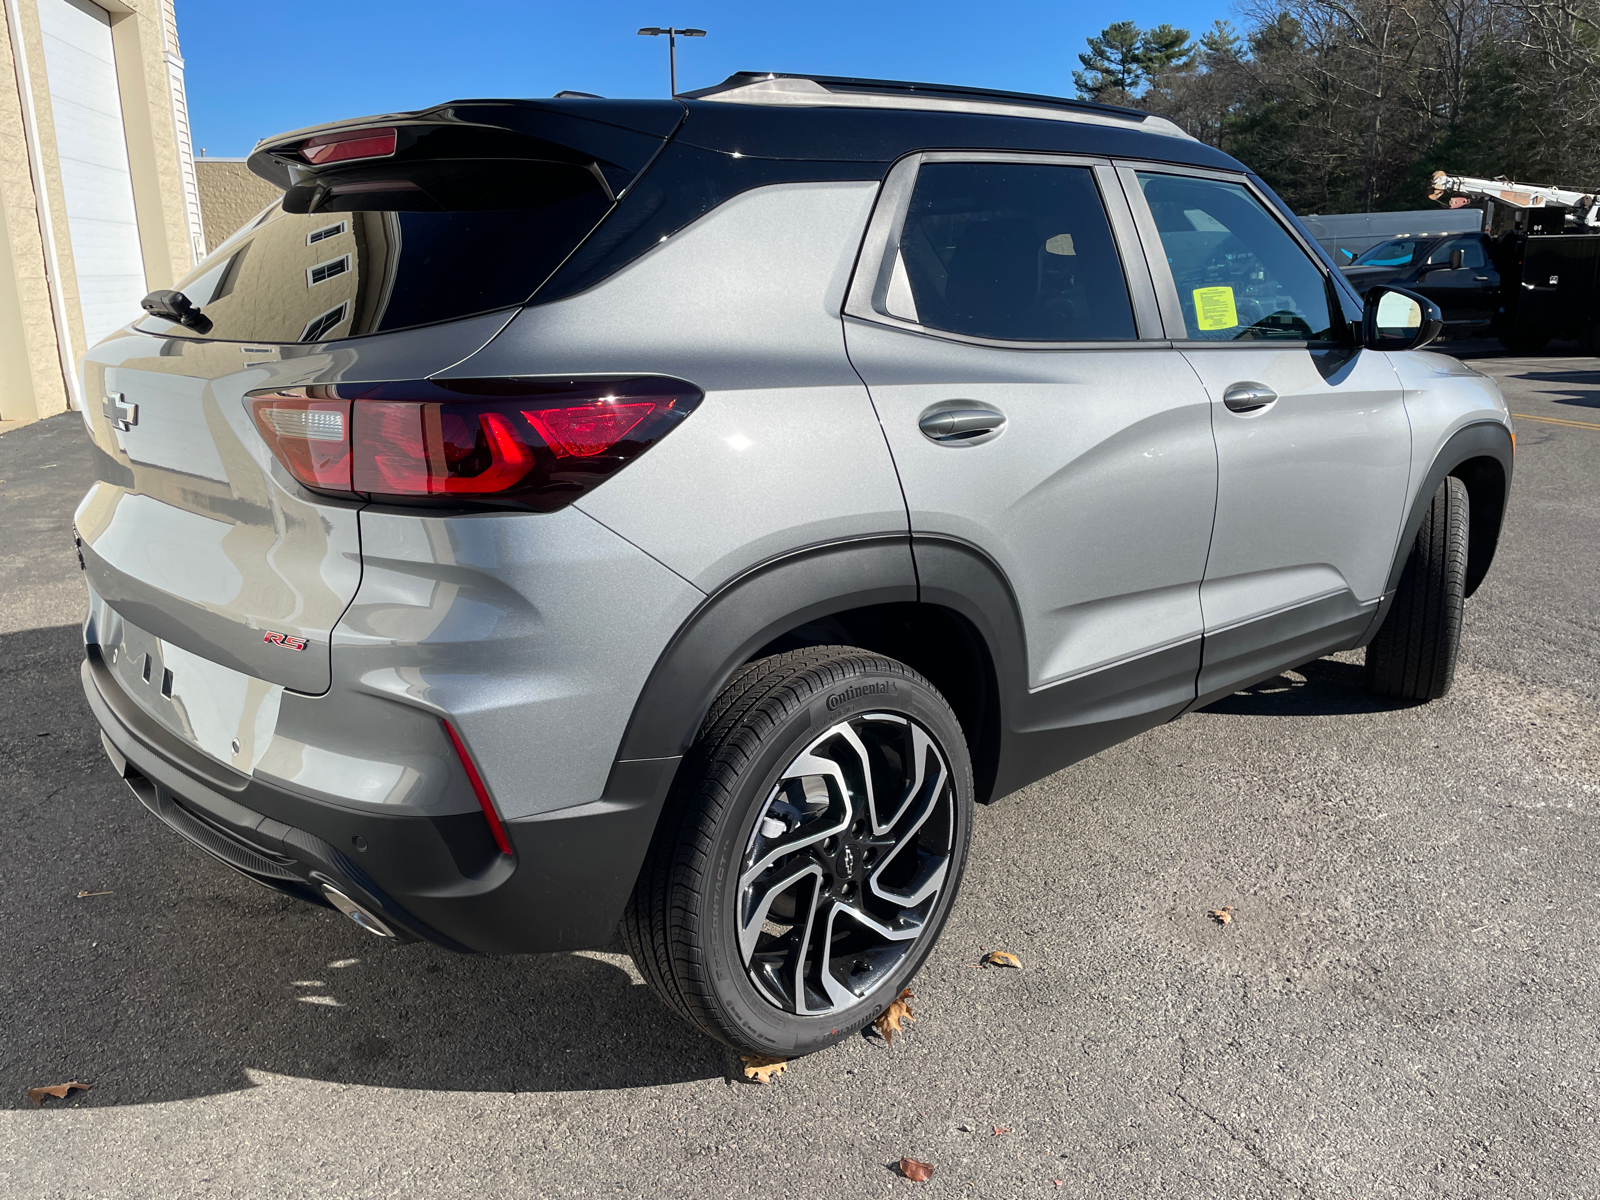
[355, 912]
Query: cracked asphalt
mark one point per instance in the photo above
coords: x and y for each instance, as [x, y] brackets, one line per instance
[1403, 1005]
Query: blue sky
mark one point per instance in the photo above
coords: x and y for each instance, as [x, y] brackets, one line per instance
[258, 69]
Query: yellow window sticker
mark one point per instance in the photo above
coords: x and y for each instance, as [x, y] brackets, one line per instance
[1213, 308]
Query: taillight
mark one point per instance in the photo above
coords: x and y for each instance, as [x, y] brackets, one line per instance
[348, 144]
[500, 443]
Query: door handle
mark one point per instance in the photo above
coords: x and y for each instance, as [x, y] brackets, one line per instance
[1248, 397]
[959, 423]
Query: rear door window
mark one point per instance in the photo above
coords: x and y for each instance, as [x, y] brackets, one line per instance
[1240, 275]
[1014, 252]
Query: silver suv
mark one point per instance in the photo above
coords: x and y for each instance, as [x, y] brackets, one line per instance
[679, 513]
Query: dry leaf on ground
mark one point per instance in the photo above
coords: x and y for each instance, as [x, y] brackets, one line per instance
[1221, 915]
[999, 1129]
[37, 1095]
[999, 958]
[889, 1021]
[917, 1172]
[761, 1068]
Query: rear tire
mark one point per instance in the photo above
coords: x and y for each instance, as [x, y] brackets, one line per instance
[1413, 656]
[817, 767]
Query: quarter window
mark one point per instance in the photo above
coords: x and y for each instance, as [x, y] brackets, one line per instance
[1240, 275]
[1012, 251]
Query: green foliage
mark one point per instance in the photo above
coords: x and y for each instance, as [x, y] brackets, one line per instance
[1112, 63]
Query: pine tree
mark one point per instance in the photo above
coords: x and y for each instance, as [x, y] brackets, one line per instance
[1111, 67]
[1164, 48]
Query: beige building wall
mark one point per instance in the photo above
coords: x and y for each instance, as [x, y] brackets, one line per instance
[42, 333]
[229, 196]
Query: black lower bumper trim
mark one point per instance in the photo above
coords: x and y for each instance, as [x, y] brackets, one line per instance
[438, 879]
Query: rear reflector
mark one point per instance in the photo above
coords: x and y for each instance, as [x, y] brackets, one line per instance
[484, 802]
[348, 144]
[502, 443]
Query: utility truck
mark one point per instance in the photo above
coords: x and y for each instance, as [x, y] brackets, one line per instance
[1537, 281]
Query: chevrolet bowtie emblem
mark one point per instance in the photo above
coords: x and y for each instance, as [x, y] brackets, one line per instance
[119, 412]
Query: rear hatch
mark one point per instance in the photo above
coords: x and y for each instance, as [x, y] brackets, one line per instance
[402, 245]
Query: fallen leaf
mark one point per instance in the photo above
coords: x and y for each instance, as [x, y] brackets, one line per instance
[761, 1068]
[917, 1172]
[1057, 1182]
[889, 1021]
[1221, 915]
[37, 1095]
[83, 895]
[999, 1129]
[999, 958]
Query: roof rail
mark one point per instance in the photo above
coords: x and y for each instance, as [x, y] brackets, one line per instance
[834, 91]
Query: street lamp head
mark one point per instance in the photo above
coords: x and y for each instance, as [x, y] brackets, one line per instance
[651, 31]
[692, 32]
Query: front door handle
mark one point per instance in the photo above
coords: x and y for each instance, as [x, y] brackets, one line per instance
[960, 423]
[1248, 397]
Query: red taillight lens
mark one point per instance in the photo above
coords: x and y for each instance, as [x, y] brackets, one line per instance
[348, 144]
[500, 443]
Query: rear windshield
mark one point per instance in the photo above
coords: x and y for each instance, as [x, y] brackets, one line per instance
[380, 254]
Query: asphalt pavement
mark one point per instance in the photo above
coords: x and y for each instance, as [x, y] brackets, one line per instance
[1404, 1003]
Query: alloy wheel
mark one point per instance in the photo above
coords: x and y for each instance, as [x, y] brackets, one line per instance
[846, 863]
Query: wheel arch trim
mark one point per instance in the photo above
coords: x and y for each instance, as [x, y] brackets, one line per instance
[1481, 456]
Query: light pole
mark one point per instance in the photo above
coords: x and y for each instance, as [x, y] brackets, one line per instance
[672, 45]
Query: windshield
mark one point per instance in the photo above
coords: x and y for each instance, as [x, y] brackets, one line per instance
[1398, 252]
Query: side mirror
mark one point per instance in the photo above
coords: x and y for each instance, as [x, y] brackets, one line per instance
[1458, 258]
[1394, 319]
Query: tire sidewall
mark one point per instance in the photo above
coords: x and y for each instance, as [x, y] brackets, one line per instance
[860, 690]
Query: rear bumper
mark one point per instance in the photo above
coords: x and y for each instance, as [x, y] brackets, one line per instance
[437, 879]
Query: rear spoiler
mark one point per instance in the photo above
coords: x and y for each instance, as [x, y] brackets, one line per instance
[613, 140]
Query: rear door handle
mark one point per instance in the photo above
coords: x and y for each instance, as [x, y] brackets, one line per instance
[960, 424]
[1248, 397]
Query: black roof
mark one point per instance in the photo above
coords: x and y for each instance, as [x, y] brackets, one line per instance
[821, 131]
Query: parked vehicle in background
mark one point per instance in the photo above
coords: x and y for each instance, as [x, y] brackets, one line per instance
[1457, 272]
[681, 513]
[1347, 236]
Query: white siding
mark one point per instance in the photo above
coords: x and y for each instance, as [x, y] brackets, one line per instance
[95, 181]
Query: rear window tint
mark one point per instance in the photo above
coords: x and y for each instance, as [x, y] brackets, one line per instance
[382, 254]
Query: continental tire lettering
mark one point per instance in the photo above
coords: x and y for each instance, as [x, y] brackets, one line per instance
[881, 687]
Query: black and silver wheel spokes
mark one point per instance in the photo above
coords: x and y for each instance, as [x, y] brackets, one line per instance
[845, 863]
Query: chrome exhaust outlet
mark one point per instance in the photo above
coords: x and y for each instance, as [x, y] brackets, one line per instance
[355, 912]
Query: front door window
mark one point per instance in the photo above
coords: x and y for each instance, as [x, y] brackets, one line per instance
[1240, 276]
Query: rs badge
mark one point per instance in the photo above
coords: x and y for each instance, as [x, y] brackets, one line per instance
[287, 640]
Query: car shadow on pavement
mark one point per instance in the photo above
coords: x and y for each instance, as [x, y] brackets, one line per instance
[1326, 687]
[172, 977]
[1589, 398]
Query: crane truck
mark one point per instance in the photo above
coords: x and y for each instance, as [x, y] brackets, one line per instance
[1539, 280]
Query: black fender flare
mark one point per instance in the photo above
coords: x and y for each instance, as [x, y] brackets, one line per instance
[1481, 439]
[745, 614]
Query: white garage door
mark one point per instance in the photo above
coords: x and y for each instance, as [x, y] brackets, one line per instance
[95, 181]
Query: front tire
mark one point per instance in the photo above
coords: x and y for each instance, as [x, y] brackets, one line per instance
[810, 851]
[1413, 656]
